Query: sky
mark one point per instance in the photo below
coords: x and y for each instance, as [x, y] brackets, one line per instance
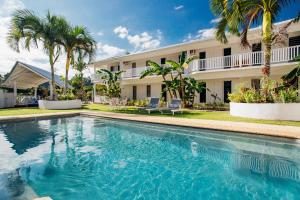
[119, 26]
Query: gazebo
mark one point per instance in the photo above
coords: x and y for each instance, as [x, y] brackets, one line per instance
[25, 76]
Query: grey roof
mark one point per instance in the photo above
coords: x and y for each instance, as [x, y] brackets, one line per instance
[44, 74]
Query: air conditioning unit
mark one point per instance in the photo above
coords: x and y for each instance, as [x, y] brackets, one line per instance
[126, 62]
[192, 51]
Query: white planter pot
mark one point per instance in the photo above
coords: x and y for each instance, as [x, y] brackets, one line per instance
[270, 111]
[60, 105]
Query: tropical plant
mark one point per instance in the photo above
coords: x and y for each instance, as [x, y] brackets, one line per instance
[237, 16]
[33, 30]
[156, 69]
[292, 77]
[112, 82]
[179, 67]
[191, 87]
[79, 65]
[76, 39]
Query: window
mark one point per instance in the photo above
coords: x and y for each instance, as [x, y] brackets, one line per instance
[147, 63]
[118, 67]
[255, 83]
[202, 57]
[192, 51]
[256, 57]
[112, 68]
[294, 41]
[227, 59]
[227, 90]
[179, 57]
[133, 65]
[148, 90]
[203, 95]
[163, 61]
[134, 92]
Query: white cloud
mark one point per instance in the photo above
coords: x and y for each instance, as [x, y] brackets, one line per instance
[106, 51]
[121, 31]
[143, 41]
[214, 21]
[178, 7]
[201, 34]
[99, 33]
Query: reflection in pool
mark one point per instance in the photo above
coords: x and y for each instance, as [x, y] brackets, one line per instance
[90, 158]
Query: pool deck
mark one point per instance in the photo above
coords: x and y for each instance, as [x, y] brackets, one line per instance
[254, 128]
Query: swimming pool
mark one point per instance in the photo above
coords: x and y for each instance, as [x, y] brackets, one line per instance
[94, 158]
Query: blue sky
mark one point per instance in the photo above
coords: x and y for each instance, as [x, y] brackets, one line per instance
[128, 25]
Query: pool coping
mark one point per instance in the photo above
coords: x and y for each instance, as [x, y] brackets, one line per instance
[291, 132]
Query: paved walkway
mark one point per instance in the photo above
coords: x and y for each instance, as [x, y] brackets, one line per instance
[262, 129]
[255, 128]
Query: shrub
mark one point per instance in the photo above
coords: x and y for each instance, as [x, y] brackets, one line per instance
[68, 96]
[288, 95]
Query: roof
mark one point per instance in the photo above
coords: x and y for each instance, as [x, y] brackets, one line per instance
[28, 76]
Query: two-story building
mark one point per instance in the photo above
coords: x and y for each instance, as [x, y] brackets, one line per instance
[221, 66]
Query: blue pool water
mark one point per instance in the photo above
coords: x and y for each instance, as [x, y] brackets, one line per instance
[92, 158]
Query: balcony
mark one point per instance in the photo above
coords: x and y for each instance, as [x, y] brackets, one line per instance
[280, 55]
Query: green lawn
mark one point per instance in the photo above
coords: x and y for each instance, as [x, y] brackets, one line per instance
[191, 114]
[194, 114]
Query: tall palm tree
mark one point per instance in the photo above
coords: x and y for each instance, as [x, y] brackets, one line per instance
[30, 29]
[74, 39]
[156, 69]
[179, 67]
[237, 16]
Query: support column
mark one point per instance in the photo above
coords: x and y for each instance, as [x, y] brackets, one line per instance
[15, 92]
[51, 89]
[94, 92]
[35, 92]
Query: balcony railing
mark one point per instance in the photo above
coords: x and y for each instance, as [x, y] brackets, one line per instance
[279, 55]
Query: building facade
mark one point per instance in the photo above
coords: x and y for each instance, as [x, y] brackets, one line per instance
[221, 66]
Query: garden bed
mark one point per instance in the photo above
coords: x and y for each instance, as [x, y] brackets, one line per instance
[269, 111]
[60, 105]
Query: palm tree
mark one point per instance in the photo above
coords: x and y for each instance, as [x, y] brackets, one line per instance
[237, 16]
[111, 79]
[156, 69]
[32, 30]
[80, 66]
[179, 67]
[74, 39]
[292, 78]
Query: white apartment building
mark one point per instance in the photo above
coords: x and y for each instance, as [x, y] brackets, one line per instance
[221, 66]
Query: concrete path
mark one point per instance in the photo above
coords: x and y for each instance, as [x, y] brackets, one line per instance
[262, 129]
[245, 127]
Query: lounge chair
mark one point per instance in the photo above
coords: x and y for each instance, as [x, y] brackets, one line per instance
[173, 107]
[152, 106]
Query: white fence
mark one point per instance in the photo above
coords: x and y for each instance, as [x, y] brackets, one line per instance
[7, 100]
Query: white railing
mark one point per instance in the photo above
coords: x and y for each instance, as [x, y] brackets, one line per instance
[279, 55]
[133, 72]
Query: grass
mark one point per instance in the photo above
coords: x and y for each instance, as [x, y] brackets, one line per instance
[194, 114]
[189, 114]
[27, 111]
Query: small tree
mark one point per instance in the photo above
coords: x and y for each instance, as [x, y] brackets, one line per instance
[112, 82]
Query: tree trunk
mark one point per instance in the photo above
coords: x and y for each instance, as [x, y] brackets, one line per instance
[67, 72]
[81, 86]
[182, 90]
[169, 91]
[52, 74]
[267, 39]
